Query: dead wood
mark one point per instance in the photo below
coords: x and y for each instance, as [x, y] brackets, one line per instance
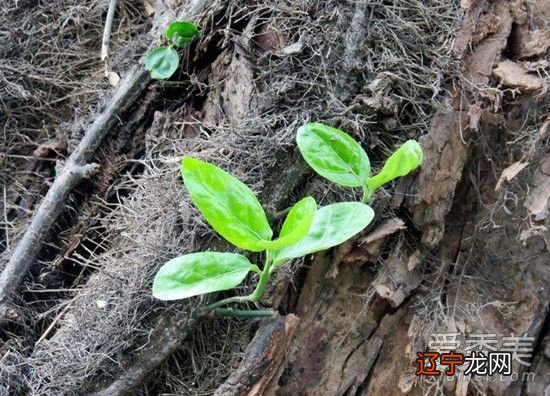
[541, 368]
[264, 357]
[446, 149]
[335, 344]
[166, 339]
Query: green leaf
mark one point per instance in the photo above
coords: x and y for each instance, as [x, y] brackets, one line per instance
[406, 159]
[333, 154]
[162, 62]
[181, 32]
[331, 226]
[228, 204]
[296, 224]
[200, 273]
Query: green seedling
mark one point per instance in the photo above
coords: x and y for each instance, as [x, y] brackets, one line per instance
[337, 157]
[235, 213]
[163, 61]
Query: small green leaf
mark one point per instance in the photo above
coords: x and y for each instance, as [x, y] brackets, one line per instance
[296, 224]
[228, 204]
[406, 159]
[181, 33]
[331, 226]
[333, 154]
[162, 62]
[199, 273]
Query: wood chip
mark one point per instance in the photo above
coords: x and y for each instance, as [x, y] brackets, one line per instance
[406, 383]
[113, 77]
[387, 228]
[292, 49]
[510, 172]
[149, 9]
[538, 200]
[514, 75]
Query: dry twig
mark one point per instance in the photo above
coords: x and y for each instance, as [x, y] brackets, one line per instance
[107, 32]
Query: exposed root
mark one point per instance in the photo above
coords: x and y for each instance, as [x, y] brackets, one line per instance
[76, 169]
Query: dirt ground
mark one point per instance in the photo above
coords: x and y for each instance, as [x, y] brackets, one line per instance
[459, 251]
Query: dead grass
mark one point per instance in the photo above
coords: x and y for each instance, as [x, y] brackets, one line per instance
[51, 80]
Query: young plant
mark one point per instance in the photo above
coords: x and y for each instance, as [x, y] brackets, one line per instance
[233, 210]
[337, 157]
[163, 61]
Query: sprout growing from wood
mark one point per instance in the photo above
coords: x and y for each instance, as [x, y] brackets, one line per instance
[337, 157]
[233, 210]
[163, 61]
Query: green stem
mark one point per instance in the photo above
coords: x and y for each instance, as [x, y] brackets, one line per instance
[256, 269]
[241, 313]
[256, 294]
[367, 194]
[264, 277]
[225, 301]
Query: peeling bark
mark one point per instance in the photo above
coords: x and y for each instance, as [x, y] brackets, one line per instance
[258, 373]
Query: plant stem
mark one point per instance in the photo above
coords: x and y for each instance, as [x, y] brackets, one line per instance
[256, 294]
[256, 269]
[264, 277]
[367, 193]
[226, 301]
[242, 313]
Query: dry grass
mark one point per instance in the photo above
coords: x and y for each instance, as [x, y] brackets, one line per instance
[51, 81]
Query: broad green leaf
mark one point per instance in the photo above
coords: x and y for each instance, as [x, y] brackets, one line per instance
[199, 273]
[162, 62]
[331, 226]
[406, 159]
[228, 204]
[181, 32]
[296, 224]
[333, 154]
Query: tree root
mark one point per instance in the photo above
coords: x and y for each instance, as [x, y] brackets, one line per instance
[75, 170]
[261, 361]
[168, 338]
